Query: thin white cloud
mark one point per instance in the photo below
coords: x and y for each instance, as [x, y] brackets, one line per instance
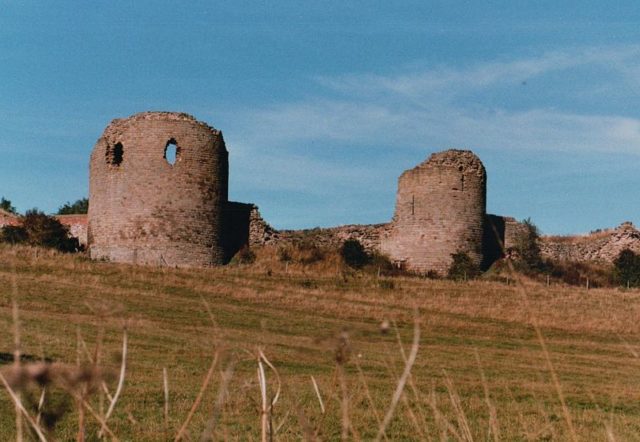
[428, 109]
[445, 81]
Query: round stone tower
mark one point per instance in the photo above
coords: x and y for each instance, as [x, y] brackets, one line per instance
[157, 187]
[440, 210]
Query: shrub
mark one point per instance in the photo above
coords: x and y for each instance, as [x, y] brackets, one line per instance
[13, 234]
[353, 254]
[6, 205]
[627, 268]
[462, 267]
[39, 229]
[80, 206]
[527, 249]
[244, 256]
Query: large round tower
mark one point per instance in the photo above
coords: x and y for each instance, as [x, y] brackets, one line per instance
[157, 188]
[440, 210]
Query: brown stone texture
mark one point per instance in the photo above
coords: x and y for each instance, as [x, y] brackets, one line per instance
[369, 235]
[144, 209]
[8, 218]
[77, 225]
[513, 229]
[440, 210]
[603, 246]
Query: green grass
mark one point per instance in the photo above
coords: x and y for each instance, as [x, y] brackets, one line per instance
[295, 318]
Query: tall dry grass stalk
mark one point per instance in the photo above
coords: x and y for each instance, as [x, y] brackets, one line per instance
[123, 370]
[403, 379]
[16, 350]
[266, 412]
[494, 429]
[196, 403]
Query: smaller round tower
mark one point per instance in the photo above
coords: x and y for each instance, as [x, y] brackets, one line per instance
[440, 210]
[157, 188]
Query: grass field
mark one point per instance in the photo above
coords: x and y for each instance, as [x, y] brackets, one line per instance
[481, 372]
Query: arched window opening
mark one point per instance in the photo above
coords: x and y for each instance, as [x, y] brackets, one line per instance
[115, 154]
[172, 152]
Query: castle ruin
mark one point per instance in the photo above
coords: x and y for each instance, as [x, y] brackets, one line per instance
[149, 207]
[440, 210]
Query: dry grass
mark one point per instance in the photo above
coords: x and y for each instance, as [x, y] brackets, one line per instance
[478, 373]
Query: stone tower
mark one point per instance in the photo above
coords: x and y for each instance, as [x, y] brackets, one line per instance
[440, 210]
[158, 186]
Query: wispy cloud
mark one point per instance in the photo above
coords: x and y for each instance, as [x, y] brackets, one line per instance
[440, 107]
[555, 102]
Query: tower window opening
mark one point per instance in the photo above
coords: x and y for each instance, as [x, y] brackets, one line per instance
[172, 152]
[115, 154]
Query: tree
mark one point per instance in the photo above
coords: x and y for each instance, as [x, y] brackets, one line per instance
[627, 268]
[13, 234]
[6, 205]
[462, 267]
[80, 206]
[46, 231]
[527, 247]
[354, 254]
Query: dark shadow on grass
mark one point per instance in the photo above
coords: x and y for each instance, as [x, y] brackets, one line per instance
[7, 358]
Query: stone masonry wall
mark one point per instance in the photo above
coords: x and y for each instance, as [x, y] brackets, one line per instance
[8, 219]
[603, 246]
[77, 225]
[145, 210]
[440, 210]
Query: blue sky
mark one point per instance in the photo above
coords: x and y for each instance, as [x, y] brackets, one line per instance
[324, 104]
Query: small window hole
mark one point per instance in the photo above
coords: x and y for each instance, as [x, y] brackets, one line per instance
[172, 152]
[115, 154]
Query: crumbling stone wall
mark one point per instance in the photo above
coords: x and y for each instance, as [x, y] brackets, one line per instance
[369, 235]
[77, 225]
[8, 218]
[603, 246]
[440, 210]
[144, 209]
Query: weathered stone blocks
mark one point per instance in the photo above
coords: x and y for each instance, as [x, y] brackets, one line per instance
[440, 210]
[144, 209]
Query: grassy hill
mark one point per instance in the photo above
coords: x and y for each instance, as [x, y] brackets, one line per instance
[481, 371]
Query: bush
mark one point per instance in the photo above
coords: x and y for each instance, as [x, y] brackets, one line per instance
[353, 254]
[13, 234]
[527, 249]
[6, 205]
[41, 230]
[462, 267]
[627, 268]
[80, 206]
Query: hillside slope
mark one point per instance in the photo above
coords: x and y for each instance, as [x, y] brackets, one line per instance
[303, 324]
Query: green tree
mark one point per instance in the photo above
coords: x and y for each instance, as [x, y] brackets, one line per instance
[527, 248]
[13, 234]
[80, 206]
[6, 205]
[46, 231]
[627, 268]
